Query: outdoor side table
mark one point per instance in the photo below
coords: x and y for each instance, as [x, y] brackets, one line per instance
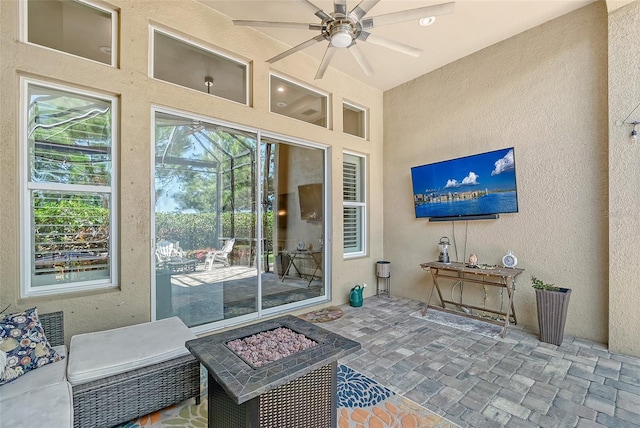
[296, 391]
[181, 265]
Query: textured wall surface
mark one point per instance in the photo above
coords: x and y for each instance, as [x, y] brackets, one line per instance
[624, 180]
[544, 92]
[613, 5]
[131, 302]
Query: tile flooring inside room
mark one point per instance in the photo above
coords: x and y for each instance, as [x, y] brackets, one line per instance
[478, 381]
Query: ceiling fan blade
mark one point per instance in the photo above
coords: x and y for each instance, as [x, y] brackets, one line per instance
[326, 59]
[295, 49]
[316, 10]
[300, 25]
[363, 8]
[407, 15]
[389, 44]
[340, 7]
[360, 59]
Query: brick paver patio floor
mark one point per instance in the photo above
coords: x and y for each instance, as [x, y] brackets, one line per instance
[477, 381]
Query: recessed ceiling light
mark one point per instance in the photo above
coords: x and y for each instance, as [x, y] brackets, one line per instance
[281, 104]
[425, 22]
[280, 89]
[105, 49]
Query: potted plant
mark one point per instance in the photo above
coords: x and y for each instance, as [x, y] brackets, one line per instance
[552, 303]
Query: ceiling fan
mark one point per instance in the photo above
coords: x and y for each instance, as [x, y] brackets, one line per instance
[342, 29]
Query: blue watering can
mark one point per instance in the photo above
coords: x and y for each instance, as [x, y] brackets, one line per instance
[355, 297]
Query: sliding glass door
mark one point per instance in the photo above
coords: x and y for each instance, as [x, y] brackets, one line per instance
[294, 198]
[239, 222]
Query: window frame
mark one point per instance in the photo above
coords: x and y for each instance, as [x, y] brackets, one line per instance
[302, 85]
[155, 28]
[27, 186]
[362, 205]
[24, 31]
[365, 114]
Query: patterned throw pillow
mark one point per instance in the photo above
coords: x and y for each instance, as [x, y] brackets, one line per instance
[23, 341]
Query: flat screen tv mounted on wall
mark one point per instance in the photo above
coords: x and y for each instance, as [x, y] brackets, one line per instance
[474, 187]
[310, 196]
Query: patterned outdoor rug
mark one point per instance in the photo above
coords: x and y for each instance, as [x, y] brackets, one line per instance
[322, 315]
[362, 403]
[461, 323]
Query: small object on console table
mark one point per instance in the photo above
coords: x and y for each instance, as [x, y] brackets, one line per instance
[473, 260]
[509, 260]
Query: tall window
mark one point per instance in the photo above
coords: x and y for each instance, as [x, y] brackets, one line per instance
[354, 204]
[68, 203]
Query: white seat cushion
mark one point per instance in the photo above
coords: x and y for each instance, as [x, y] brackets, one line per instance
[49, 406]
[102, 354]
[34, 379]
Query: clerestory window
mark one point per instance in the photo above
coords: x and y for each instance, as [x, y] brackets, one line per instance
[197, 66]
[354, 120]
[298, 101]
[82, 28]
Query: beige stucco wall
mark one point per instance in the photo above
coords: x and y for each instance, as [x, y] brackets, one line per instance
[624, 180]
[544, 92]
[131, 302]
[613, 5]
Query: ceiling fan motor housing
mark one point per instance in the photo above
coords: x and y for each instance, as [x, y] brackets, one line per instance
[341, 32]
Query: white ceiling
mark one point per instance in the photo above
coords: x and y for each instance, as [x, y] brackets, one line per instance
[474, 25]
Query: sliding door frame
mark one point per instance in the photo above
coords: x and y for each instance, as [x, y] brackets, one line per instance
[326, 231]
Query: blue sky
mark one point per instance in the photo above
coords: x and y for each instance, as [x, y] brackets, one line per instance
[492, 170]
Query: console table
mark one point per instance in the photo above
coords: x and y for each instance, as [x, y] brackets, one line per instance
[299, 255]
[462, 273]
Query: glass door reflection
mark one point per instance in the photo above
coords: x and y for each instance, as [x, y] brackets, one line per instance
[205, 217]
[228, 208]
[293, 186]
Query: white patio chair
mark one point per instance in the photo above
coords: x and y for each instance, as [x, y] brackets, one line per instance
[164, 251]
[221, 255]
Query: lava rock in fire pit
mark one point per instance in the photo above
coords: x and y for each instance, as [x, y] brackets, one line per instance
[269, 346]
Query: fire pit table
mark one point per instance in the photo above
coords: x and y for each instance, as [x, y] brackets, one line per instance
[299, 390]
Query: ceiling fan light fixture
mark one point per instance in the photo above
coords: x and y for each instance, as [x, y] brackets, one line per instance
[208, 82]
[341, 37]
[425, 22]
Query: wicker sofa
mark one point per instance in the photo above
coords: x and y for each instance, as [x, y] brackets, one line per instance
[82, 392]
[46, 388]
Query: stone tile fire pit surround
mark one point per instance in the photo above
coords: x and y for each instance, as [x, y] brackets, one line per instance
[242, 383]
